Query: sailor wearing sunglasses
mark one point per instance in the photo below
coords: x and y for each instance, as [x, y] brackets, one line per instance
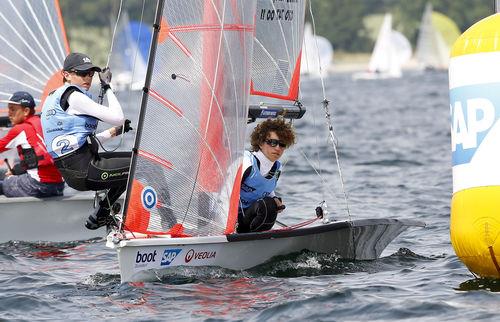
[69, 120]
[259, 205]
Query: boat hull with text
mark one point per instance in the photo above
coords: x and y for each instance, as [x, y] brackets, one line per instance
[147, 259]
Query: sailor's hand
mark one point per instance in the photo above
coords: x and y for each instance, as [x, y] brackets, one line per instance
[8, 173]
[279, 204]
[124, 128]
[105, 77]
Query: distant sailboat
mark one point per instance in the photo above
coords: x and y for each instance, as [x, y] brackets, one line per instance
[317, 53]
[129, 60]
[432, 52]
[392, 50]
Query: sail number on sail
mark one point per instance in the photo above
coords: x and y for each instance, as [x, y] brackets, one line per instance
[276, 14]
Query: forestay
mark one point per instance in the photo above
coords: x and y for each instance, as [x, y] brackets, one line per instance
[186, 169]
[33, 47]
[277, 49]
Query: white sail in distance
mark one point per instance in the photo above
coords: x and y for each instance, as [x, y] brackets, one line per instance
[391, 51]
[317, 53]
[432, 52]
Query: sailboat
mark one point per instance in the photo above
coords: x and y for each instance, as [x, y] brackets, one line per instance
[432, 52]
[33, 46]
[183, 193]
[392, 50]
[129, 61]
[318, 54]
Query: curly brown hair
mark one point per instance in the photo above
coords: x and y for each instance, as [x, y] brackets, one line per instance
[283, 129]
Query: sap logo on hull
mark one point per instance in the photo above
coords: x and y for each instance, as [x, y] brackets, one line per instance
[168, 256]
[145, 257]
[191, 254]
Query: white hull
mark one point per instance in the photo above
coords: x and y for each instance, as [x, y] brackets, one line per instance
[57, 219]
[149, 258]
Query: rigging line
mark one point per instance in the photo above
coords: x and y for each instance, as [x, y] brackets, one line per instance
[129, 95]
[317, 50]
[318, 159]
[44, 34]
[213, 97]
[22, 70]
[329, 124]
[101, 94]
[21, 83]
[332, 194]
[137, 47]
[33, 36]
[114, 33]
[42, 63]
[44, 75]
[53, 27]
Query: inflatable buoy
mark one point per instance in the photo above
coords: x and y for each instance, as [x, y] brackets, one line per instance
[474, 75]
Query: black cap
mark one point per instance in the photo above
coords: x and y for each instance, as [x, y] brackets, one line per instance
[22, 98]
[78, 61]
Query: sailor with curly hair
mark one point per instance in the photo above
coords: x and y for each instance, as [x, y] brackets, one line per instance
[259, 206]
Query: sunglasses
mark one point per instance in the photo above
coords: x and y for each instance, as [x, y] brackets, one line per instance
[84, 73]
[274, 143]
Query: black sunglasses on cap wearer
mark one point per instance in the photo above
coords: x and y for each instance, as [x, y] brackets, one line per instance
[274, 143]
[83, 73]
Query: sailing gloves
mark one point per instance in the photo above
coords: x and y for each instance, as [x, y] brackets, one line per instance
[124, 128]
[105, 77]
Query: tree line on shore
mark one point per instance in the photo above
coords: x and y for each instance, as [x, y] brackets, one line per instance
[340, 21]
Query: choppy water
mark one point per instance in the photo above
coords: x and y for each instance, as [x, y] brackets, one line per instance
[395, 156]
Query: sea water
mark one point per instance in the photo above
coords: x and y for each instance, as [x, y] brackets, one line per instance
[394, 148]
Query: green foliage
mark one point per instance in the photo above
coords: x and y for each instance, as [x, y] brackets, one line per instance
[89, 22]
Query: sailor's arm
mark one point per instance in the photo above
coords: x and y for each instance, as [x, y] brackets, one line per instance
[114, 131]
[81, 104]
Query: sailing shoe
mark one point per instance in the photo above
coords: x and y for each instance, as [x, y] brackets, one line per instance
[99, 218]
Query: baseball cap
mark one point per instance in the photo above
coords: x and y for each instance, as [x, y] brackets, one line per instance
[22, 98]
[79, 61]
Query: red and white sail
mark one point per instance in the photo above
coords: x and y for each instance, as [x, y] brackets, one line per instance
[33, 46]
[185, 175]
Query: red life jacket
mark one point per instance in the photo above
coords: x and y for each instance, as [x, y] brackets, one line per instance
[27, 137]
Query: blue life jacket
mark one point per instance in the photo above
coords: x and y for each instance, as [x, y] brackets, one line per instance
[64, 133]
[255, 186]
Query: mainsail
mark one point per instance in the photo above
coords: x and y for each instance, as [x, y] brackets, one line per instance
[186, 167]
[33, 46]
[432, 51]
[391, 51]
[277, 49]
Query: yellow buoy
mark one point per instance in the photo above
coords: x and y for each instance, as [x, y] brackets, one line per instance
[474, 75]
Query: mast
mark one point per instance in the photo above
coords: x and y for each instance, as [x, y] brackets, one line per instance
[144, 101]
